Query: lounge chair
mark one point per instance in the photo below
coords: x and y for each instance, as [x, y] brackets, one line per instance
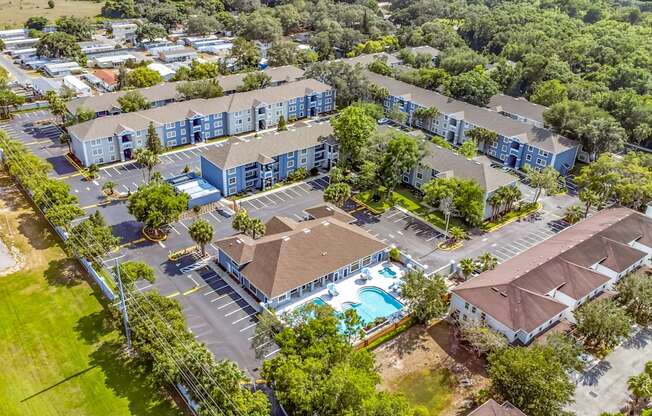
[332, 290]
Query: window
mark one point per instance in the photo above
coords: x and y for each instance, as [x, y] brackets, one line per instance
[355, 266]
[233, 180]
[504, 148]
[473, 309]
[419, 175]
[169, 125]
[207, 126]
[184, 140]
[232, 190]
[529, 148]
[466, 305]
[171, 143]
[290, 163]
[304, 151]
[528, 158]
[541, 162]
[543, 154]
[139, 133]
[183, 131]
[171, 134]
[303, 161]
[97, 152]
[366, 261]
[99, 160]
[433, 173]
[96, 142]
[231, 171]
[218, 123]
[503, 157]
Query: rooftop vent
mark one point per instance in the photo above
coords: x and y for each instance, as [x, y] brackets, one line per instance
[238, 241]
[286, 238]
[503, 294]
[306, 230]
[324, 253]
[495, 289]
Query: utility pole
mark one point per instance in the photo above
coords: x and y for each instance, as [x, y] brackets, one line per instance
[123, 305]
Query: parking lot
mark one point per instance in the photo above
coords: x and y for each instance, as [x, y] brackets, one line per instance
[411, 235]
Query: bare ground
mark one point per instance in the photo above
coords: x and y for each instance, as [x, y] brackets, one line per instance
[422, 349]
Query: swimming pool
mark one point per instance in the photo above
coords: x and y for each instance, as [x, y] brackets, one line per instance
[387, 272]
[374, 303]
[318, 302]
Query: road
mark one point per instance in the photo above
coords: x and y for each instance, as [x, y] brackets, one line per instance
[17, 73]
[604, 388]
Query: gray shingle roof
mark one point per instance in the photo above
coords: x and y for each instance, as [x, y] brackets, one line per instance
[106, 126]
[168, 90]
[514, 293]
[365, 60]
[517, 105]
[237, 152]
[447, 161]
[482, 117]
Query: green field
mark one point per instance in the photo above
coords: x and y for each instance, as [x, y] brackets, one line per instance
[429, 390]
[60, 354]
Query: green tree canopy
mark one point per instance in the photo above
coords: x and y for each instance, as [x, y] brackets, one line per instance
[156, 205]
[133, 101]
[58, 45]
[353, 127]
[425, 296]
[466, 194]
[602, 323]
[143, 77]
[201, 232]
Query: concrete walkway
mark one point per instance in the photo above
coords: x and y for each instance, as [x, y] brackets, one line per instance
[604, 388]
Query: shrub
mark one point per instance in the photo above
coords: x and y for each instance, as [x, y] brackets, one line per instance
[394, 254]
[297, 175]
[314, 171]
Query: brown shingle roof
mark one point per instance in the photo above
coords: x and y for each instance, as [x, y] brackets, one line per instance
[492, 408]
[515, 292]
[281, 262]
[327, 210]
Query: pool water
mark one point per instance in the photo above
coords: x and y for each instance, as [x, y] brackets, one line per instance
[388, 272]
[318, 302]
[374, 303]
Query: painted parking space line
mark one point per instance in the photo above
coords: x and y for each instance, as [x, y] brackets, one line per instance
[301, 188]
[214, 217]
[210, 292]
[248, 326]
[393, 214]
[232, 312]
[519, 244]
[276, 194]
[298, 217]
[106, 172]
[296, 194]
[272, 353]
[174, 229]
[243, 318]
[268, 200]
[228, 303]
[177, 156]
[184, 225]
[222, 296]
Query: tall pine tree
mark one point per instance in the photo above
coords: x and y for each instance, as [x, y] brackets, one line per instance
[153, 141]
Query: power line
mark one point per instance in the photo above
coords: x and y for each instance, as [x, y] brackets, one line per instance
[79, 239]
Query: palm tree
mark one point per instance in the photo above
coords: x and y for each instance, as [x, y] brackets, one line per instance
[512, 194]
[109, 186]
[496, 200]
[482, 137]
[424, 114]
[92, 171]
[241, 221]
[488, 261]
[457, 234]
[467, 266]
[641, 388]
[201, 232]
[574, 213]
[256, 228]
[590, 198]
[147, 159]
[65, 139]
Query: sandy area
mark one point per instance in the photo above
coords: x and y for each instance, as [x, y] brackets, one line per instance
[422, 350]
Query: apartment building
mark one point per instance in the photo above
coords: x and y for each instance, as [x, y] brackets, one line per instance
[519, 144]
[114, 138]
[166, 93]
[258, 163]
[443, 163]
[518, 108]
[295, 258]
[535, 290]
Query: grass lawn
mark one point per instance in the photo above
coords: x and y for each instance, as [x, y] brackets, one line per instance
[59, 351]
[16, 12]
[405, 198]
[429, 389]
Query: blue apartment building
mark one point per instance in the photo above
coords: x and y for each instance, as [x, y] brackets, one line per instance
[519, 144]
[254, 164]
[115, 138]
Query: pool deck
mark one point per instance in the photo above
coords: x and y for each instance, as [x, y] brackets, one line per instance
[348, 288]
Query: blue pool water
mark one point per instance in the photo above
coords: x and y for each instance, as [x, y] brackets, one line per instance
[374, 303]
[318, 301]
[388, 272]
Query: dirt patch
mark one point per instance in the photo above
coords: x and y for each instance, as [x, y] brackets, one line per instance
[429, 362]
